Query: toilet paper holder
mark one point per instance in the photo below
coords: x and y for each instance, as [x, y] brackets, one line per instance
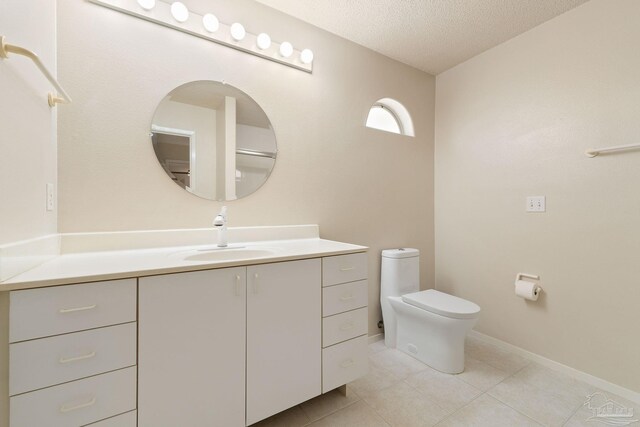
[519, 276]
[525, 289]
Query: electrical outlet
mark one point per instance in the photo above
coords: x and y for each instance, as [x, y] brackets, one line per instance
[536, 204]
[50, 197]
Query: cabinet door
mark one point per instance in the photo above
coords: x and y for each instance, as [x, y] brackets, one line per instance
[283, 336]
[192, 349]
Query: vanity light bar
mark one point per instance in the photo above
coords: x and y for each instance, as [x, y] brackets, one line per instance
[175, 15]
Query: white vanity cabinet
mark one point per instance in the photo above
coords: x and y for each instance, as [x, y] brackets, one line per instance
[192, 344]
[192, 349]
[344, 311]
[221, 347]
[283, 336]
[70, 352]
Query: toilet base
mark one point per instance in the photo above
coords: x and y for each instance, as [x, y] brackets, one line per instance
[435, 340]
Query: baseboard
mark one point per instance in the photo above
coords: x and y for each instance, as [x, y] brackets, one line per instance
[556, 366]
[375, 338]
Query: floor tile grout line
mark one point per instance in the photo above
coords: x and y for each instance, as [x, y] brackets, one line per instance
[448, 414]
[486, 392]
[504, 379]
[540, 423]
[382, 368]
[534, 386]
[382, 416]
[330, 413]
[460, 408]
[515, 409]
[376, 412]
[403, 379]
[305, 414]
[424, 395]
[505, 403]
[528, 416]
[572, 415]
[498, 350]
[529, 362]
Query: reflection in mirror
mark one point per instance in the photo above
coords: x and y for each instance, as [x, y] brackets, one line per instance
[213, 140]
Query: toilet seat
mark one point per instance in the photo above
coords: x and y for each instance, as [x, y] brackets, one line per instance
[442, 304]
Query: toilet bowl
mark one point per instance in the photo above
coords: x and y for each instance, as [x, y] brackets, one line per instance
[428, 325]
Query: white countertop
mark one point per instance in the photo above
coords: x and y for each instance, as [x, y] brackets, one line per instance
[119, 264]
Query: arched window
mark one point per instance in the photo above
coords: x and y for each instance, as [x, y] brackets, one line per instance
[391, 116]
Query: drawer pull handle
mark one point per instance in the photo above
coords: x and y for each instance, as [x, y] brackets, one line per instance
[238, 290]
[346, 297]
[255, 283]
[347, 268]
[73, 310]
[77, 358]
[346, 326]
[66, 408]
[347, 363]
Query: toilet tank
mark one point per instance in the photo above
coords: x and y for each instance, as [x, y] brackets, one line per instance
[400, 272]
[399, 275]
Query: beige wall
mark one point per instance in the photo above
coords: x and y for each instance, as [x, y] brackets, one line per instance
[360, 185]
[28, 132]
[515, 122]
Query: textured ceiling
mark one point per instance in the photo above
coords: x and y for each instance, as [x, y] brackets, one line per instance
[431, 35]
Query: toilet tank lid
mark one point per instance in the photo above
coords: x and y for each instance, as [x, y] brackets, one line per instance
[443, 304]
[400, 253]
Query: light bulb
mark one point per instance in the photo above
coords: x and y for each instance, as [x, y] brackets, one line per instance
[286, 49]
[306, 56]
[237, 31]
[210, 22]
[179, 11]
[264, 41]
[147, 4]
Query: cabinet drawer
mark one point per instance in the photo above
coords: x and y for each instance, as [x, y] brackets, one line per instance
[49, 361]
[130, 419]
[345, 297]
[37, 313]
[342, 327]
[344, 268]
[344, 362]
[76, 403]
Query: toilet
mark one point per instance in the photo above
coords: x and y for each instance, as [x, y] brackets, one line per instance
[429, 325]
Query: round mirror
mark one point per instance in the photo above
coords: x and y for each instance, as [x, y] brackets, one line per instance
[213, 140]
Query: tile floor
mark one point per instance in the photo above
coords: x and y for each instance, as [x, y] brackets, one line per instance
[497, 388]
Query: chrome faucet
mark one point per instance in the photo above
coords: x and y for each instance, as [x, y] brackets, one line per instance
[220, 222]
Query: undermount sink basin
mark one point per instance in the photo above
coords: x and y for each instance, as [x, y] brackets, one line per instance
[228, 254]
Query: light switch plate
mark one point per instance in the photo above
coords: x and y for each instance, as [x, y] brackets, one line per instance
[536, 204]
